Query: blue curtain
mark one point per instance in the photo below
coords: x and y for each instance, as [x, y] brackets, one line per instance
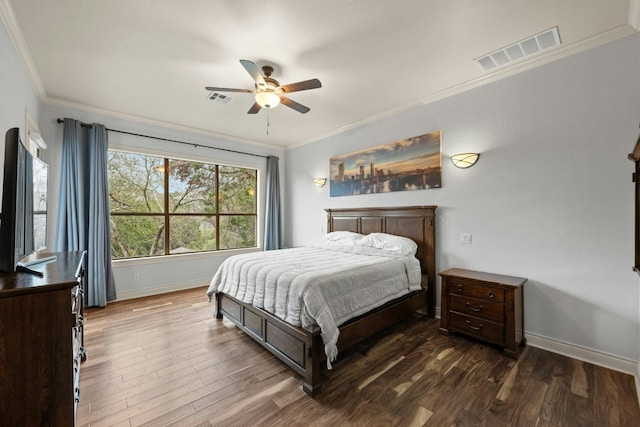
[83, 209]
[272, 216]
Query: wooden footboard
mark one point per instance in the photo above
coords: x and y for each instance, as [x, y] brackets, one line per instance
[302, 349]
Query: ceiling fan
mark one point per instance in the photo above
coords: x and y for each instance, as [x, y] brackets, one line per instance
[268, 92]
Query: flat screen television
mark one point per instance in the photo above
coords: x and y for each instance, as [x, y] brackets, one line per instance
[17, 217]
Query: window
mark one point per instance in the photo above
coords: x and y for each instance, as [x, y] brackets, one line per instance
[162, 206]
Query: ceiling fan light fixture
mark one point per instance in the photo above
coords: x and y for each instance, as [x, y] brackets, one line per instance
[267, 99]
[267, 92]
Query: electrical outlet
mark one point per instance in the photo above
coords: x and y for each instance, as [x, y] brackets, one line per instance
[465, 238]
[136, 277]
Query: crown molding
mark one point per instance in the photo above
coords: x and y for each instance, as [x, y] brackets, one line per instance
[20, 44]
[560, 52]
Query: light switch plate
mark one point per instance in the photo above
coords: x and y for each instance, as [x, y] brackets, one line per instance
[465, 238]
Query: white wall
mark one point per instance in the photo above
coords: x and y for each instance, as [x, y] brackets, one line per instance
[550, 199]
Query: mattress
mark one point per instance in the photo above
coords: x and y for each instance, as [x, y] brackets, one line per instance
[324, 285]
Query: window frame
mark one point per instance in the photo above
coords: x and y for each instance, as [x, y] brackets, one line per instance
[167, 156]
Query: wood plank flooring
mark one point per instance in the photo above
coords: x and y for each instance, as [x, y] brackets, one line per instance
[165, 361]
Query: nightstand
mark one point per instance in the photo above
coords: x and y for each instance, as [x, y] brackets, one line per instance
[486, 306]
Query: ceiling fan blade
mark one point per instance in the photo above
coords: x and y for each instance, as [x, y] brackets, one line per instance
[226, 89]
[295, 105]
[254, 108]
[305, 85]
[253, 71]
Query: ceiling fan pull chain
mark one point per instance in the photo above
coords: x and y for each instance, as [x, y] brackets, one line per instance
[267, 121]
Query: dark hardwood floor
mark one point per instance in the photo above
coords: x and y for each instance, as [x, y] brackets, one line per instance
[164, 360]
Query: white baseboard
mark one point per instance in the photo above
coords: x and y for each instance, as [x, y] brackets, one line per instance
[156, 290]
[595, 357]
[605, 360]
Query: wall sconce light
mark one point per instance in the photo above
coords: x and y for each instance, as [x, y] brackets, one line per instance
[319, 182]
[464, 160]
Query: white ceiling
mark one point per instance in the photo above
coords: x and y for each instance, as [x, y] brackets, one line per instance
[150, 60]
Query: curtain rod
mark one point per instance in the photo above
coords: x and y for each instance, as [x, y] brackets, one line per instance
[172, 140]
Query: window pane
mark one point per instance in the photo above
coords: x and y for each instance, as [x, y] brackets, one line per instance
[135, 236]
[136, 182]
[237, 190]
[39, 230]
[192, 234]
[237, 231]
[192, 187]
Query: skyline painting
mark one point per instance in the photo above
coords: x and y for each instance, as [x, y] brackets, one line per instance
[409, 164]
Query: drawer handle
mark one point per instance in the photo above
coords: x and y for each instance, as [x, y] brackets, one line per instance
[476, 309]
[459, 288]
[490, 295]
[474, 328]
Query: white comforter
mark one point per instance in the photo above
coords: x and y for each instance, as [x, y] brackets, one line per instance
[324, 285]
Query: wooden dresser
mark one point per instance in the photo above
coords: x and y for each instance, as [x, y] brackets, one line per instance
[486, 306]
[41, 342]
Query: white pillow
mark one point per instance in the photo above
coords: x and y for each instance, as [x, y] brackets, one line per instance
[389, 242]
[342, 237]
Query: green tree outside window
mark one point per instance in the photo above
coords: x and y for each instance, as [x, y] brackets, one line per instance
[162, 206]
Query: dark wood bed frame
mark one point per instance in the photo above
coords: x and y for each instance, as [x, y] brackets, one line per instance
[302, 348]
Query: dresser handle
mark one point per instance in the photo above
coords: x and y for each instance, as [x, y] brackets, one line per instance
[474, 328]
[459, 288]
[472, 308]
[490, 295]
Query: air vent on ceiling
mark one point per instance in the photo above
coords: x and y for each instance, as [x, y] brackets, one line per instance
[218, 97]
[520, 50]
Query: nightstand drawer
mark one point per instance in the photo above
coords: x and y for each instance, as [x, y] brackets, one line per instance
[480, 328]
[479, 308]
[475, 290]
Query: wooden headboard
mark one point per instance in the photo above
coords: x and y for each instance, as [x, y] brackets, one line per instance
[414, 222]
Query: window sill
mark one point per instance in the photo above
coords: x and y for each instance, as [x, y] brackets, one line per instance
[180, 257]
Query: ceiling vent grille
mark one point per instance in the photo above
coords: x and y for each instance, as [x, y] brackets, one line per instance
[520, 50]
[218, 97]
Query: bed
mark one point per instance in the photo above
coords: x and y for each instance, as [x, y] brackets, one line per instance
[303, 348]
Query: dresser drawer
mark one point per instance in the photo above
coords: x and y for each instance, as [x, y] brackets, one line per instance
[480, 328]
[479, 308]
[474, 289]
